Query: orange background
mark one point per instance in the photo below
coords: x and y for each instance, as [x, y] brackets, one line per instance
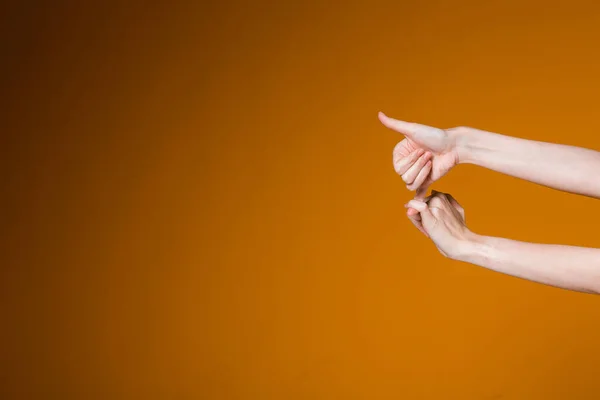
[199, 201]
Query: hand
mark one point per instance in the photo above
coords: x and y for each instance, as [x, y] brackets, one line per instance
[425, 155]
[442, 219]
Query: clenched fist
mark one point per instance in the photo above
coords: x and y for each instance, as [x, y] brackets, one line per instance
[442, 219]
[425, 155]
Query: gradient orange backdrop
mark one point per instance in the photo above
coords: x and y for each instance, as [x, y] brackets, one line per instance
[199, 201]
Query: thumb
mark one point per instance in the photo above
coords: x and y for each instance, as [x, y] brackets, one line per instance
[423, 209]
[427, 136]
[408, 129]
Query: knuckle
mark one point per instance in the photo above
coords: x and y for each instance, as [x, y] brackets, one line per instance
[444, 199]
[436, 202]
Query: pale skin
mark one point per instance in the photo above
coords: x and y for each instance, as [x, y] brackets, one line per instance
[426, 154]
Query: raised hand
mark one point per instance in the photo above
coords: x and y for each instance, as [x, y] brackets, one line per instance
[442, 219]
[424, 155]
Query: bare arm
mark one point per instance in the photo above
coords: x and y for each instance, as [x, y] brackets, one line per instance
[567, 267]
[441, 218]
[567, 168]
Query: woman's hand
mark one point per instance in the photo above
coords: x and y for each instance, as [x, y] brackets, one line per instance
[442, 219]
[425, 155]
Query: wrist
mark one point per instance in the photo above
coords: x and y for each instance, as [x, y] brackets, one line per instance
[471, 248]
[462, 139]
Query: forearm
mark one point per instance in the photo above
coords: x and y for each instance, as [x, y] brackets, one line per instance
[567, 168]
[568, 267]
